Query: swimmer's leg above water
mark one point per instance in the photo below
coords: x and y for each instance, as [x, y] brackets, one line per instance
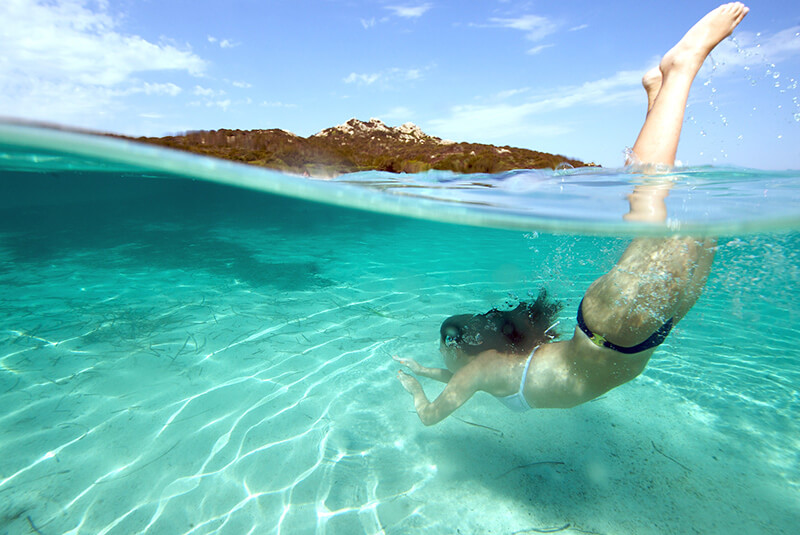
[628, 311]
[658, 140]
[660, 279]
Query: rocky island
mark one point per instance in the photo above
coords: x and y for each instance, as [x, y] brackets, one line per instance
[359, 146]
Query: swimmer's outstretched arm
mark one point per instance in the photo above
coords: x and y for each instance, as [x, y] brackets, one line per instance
[459, 389]
[438, 374]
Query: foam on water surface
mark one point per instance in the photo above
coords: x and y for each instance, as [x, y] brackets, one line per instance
[183, 356]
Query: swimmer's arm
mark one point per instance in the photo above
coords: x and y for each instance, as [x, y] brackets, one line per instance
[438, 374]
[460, 388]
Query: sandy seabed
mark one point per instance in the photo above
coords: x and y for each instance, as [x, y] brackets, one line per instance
[257, 395]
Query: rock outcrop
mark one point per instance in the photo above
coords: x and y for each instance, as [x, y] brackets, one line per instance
[359, 146]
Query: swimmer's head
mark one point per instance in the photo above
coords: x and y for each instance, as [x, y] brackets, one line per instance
[515, 331]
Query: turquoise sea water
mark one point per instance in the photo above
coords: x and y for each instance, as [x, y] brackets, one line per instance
[192, 346]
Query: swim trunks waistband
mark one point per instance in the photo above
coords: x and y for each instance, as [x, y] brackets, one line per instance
[655, 339]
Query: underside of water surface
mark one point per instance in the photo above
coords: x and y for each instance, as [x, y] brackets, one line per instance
[189, 346]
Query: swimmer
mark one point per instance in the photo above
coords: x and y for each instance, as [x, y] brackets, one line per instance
[624, 315]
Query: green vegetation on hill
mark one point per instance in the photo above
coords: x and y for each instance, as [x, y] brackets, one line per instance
[358, 146]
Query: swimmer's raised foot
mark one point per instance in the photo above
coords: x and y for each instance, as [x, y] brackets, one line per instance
[691, 51]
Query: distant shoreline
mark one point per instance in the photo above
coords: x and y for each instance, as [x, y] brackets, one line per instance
[359, 146]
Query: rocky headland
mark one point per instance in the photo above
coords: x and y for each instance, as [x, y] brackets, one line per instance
[359, 146]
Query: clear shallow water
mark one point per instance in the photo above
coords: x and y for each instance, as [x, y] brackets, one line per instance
[179, 356]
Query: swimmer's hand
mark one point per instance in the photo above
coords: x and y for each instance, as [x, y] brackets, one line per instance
[411, 364]
[437, 374]
[411, 385]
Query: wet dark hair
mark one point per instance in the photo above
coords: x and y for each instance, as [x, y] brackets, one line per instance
[506, 331]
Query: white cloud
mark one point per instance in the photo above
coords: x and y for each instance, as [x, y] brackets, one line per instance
[207, 92]
[366, 79]
[241, 85]
[223, 43]
[402, 11]
[277, 104]
[67, 60]
[512, 92]
[410, 12]
[65, 39]
[535, 50]
[161, 89]
[748, 48]
[535, 26]
[212, 98]
[579, 27]
[211, 103]
[498, 121]
[388, 75]
[145, 88]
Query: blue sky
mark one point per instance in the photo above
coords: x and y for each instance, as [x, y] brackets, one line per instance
[560, 77]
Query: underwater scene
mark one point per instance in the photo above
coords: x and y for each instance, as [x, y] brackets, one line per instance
[191, 346]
